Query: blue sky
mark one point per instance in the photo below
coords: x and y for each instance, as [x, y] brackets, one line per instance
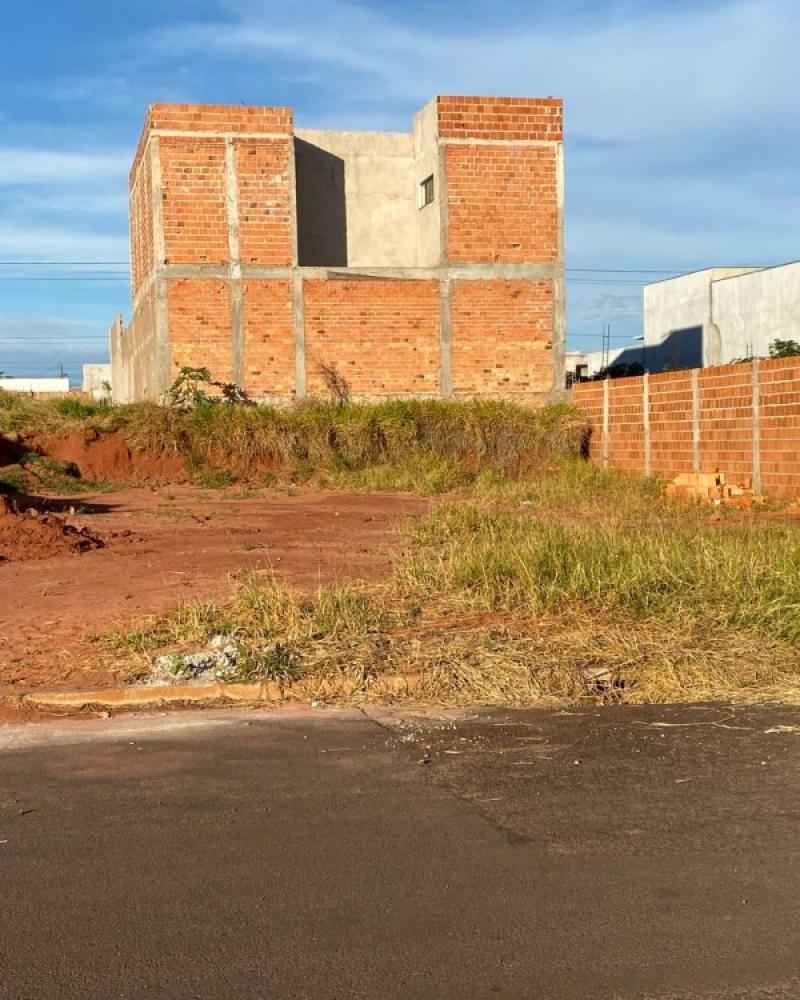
[681, 152]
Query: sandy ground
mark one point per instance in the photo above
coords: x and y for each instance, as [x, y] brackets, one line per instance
[183, 544]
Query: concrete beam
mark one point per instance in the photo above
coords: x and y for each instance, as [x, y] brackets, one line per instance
[459, 272]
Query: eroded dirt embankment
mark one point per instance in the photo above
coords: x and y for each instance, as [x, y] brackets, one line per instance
[109, 457]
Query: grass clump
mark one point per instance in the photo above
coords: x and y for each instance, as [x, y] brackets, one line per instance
[361, 443]
[427, 446]
[727, 576]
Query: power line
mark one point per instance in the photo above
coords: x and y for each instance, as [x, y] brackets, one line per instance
[125, 263]
[65, 263]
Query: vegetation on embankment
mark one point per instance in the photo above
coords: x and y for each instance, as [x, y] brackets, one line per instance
[426, 446]
[494, 604]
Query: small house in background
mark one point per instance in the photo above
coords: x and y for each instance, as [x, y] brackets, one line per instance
[97, 380]
[36, 386]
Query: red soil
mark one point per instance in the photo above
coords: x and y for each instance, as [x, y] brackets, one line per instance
[108, 457]
[181, 545]
[26, 535]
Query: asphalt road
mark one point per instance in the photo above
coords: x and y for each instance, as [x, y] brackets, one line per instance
[606, 853]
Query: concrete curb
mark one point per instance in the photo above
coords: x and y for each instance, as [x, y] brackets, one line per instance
[391, 686]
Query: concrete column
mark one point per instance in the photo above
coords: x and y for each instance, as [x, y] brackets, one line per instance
[445, 339]
[161, 314]
[646, 421]
[441, 196]
[299, 312]
[606, 400]
[234, 261]
[756, 397]
[695, 421]
[559, 291]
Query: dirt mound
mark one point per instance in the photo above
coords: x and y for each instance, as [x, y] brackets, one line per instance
[108, 456]
[27, 535]
[9, 449]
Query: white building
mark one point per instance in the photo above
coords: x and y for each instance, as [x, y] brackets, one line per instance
[720, 315]
[35, 385]
[97, 379]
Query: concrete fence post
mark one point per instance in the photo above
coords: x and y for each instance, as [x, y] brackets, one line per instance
[646, 421]
[756, 413]
[299, 312]
[695, 421]
[445, 340]
[606, 392]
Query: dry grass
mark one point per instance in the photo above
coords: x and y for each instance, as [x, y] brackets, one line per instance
[423, 446]
[549, 578]
[497, 608]
[388, 440]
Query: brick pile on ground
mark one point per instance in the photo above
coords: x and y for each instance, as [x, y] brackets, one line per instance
[26, 535]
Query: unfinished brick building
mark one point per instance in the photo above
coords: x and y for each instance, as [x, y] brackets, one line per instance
[427, 263]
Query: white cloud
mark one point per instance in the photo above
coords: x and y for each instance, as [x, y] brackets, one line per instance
[38, 345]
[52, 243]
[682, 135]
[31, 166]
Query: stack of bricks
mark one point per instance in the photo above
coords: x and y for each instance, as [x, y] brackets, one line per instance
[216, 278]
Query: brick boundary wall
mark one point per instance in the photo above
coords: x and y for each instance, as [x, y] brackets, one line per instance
[743, 420]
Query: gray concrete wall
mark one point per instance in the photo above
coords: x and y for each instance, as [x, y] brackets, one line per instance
[426, 164]
[376, 171]
[94, 376]
[135, 371]
[755, 309]
[678, 327]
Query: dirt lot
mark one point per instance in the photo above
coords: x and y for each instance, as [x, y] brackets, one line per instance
[166, 546]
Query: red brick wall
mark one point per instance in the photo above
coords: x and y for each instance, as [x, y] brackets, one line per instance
[269, 337]
[520, 118]
[200, 325]
[501, 332]
[501, 204]
[382, 336]
[502, 195]
[141, 226]
[780, 426]
[671, 423]
[726, 419]
[725, 422]
[195, 222]
[265, 223]
[219, 118]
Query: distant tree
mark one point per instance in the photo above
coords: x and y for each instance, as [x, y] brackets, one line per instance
[784, 349]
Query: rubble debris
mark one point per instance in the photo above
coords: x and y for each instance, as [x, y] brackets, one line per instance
[714, 488]
[217, 663]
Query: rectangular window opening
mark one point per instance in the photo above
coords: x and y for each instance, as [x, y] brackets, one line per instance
[426, 192]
